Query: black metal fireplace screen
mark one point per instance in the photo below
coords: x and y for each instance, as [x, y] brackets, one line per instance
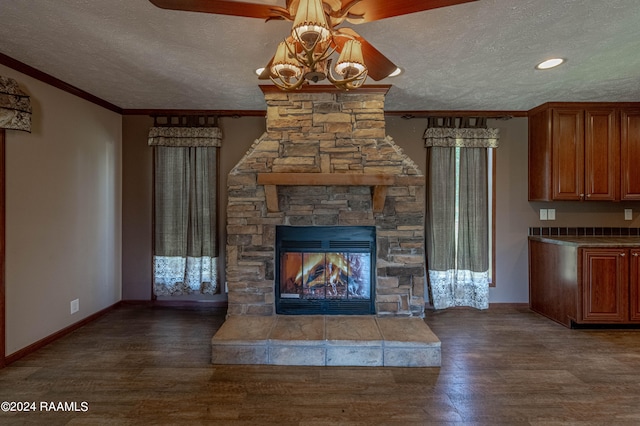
[325, 270]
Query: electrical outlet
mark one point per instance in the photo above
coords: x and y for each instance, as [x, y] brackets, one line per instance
[544, 214]
[75, 306]
[551, 214]
[628, 214]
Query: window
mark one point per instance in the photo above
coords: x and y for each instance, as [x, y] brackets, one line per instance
[490, 205]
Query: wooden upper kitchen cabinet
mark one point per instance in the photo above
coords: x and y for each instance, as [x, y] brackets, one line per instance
[630, 153]
[584, 151]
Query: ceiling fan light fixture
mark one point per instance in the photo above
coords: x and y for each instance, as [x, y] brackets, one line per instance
[350, 63]
[306, 55]
[310, 25]
[549, 63]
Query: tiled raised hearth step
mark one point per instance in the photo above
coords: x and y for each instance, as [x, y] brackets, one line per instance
[334, 340]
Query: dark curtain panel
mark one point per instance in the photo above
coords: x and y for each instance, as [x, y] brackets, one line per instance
[473, 231]
[441, 203]
[185, 217]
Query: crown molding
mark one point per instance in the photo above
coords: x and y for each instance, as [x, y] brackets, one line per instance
[235, 113]
[55, 82]
[498, 114]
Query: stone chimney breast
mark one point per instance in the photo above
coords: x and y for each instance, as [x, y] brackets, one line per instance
[312, 135]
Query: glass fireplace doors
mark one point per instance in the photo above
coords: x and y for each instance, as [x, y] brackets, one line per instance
[325, 270]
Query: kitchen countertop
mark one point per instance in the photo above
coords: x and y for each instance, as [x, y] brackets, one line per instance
[589, 241]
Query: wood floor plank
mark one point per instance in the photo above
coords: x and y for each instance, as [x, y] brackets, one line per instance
[506, 365]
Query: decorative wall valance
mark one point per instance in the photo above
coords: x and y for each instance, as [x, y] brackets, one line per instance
[185, 136]
[15, 106]
[465, 132]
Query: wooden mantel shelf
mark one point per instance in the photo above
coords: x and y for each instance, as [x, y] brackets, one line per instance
[271, 181]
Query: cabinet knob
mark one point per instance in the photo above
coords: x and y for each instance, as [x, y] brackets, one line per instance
[622, 254]
[635, 254]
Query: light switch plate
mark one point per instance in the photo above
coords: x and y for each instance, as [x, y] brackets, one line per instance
[551, 214]
[628, 214]
[543, 214]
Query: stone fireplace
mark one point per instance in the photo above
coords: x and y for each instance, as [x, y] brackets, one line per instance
[325, 240]
[325, 160]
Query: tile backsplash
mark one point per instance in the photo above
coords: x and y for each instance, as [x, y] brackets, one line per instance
[586, 230]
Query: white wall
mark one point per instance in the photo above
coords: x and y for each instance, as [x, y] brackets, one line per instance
[63, 213]
[514, 214]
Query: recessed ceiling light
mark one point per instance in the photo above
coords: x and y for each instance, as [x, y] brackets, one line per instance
[549, 63]
[397, 72]
[259, 71]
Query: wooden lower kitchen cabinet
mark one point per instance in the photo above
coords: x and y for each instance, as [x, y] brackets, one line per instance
[634, 285]
[585, 280]
[604, 287]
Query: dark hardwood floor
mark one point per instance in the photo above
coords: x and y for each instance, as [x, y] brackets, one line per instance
[507, 365]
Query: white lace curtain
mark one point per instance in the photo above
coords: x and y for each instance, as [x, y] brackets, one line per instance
[457, 212]
[185, 210]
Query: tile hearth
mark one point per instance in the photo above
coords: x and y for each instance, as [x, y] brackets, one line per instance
[333, 340]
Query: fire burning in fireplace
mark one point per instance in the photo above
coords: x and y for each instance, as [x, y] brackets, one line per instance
[325, 275]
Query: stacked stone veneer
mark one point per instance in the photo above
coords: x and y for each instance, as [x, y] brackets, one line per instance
[325, 132]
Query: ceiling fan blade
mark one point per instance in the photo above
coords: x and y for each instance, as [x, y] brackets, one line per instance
[379, 66]
[225, 7]
[360, 11]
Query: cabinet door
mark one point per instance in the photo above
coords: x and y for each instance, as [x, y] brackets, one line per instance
[604, 285]
[601, 155]
[568, 154]
[630, 157]
[540, 153]
[634, 284]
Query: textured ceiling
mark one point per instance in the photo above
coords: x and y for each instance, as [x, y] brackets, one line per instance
[474, 56]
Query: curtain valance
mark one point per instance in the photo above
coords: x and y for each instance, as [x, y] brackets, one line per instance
[15, 106]
[185, 136]
[461, 137]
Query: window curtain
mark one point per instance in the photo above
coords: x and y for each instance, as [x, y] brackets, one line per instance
[185, 210]
[457, 211]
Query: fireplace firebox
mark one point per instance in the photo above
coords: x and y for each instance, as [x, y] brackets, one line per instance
[325, 270]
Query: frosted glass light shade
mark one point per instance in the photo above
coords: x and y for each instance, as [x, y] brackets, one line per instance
[310, 25]
[283, 64]
[350, 62]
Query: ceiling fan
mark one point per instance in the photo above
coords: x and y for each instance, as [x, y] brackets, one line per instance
[305, 55]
